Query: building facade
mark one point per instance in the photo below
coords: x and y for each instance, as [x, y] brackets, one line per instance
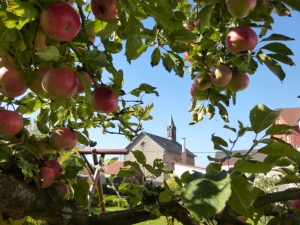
[167, 149]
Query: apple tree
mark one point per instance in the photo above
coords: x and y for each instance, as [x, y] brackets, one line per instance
[52, 67]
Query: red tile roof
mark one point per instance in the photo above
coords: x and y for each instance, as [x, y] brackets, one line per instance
[289, 116]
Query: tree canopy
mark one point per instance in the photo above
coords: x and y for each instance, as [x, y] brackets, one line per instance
[52, 67]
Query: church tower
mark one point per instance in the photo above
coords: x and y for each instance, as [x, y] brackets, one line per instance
[171, 129]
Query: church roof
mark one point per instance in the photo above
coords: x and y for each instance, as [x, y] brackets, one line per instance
[166, 144]
[171, 123]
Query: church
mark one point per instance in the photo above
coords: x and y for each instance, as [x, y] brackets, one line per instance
[167, 149]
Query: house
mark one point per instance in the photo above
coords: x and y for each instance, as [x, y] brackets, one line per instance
[167, 149]
[290, 116]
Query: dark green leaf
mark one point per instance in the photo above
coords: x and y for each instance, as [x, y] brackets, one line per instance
[183, 35]
[272, 65]
[279, 129]
[134, 41]
[135, 165]
[218, 140]
[155, 57]
[94, 58]
[279, 149]
[204, 15]
[167, 62]
[251, 166]
[261, 117]
[278, 48]
[242, 197]
[207, 196]
[230, 128]
[177, 63]
[140, 157]
[126, 172]
[278, 37]
[282, 58]
[43, 128]
[213, 168]
[148, 89]
[81, 190]
[223, 112]
[82, 138]
[294, 4]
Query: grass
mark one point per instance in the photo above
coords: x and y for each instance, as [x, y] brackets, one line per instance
[161, 221]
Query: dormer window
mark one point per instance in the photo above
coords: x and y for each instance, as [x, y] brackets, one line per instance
[143, 144]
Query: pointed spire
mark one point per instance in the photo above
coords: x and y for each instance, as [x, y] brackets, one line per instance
[171, 130]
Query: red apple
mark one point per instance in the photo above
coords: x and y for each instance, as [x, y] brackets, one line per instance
[43, 147]
[189, 27]
[88, 78]
[296, 204]
[11, 122]
[47, 176]
[63, 139]
[103, 99]
[202, 81]
[60, 21]
[56, 166]
[221, 75]
[239, 82]
[241, 40]
[13, 82]
[6, 60]
[36, 84]
[240, 9]
[63, 188]
[60, 82]
[198, 94]
[104, 10]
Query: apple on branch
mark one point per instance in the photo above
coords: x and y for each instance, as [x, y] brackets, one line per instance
[239, 82]
[103, 99]
[63, 139]
[44, 148]
[202, 81]
[221, 75]
[11, 122]
[241, 40]
[60, 82]
[198, 94]
[63, 188]
[56, 166]
[13, 82]
[240, 9]
[47, 176]
[60, 21]
[104, 10]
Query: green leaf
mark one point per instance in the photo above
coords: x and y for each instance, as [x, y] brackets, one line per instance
[283, 162]
[279, 129]
[218, 141]
[110, 27]
[31, 149]
[22, 9]
[208, 196]
[82, 138]
[42, 127]
[279, 149]
[282, 58]
[81, 190]
[213, 168]
[94, 58]
[155, 57]
[252, 166]
[272, 65]
[165, 196]
[210, 110]
[49, 53]
[126, 172]
[154, 209]
[134, 41]
[135, 165]
[205, 15]
[223, 112]
[261, 117]
[278, 37]
[177, 63]
[86, 85]
[288, 179]
[148, 89]
[26, 169]
[5, 156]
[140, 157]
[242, 197]
[167, 62]
[230, 128]
[54, 192]
[183, 35]
[161, 14]
[278, 48]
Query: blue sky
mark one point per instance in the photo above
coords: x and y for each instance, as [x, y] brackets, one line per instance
[174, 98]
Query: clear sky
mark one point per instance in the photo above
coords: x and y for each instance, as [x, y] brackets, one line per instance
[174, 98]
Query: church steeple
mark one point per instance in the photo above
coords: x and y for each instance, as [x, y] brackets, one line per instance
[171, 129]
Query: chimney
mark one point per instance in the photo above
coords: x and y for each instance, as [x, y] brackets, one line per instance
[183, 152]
